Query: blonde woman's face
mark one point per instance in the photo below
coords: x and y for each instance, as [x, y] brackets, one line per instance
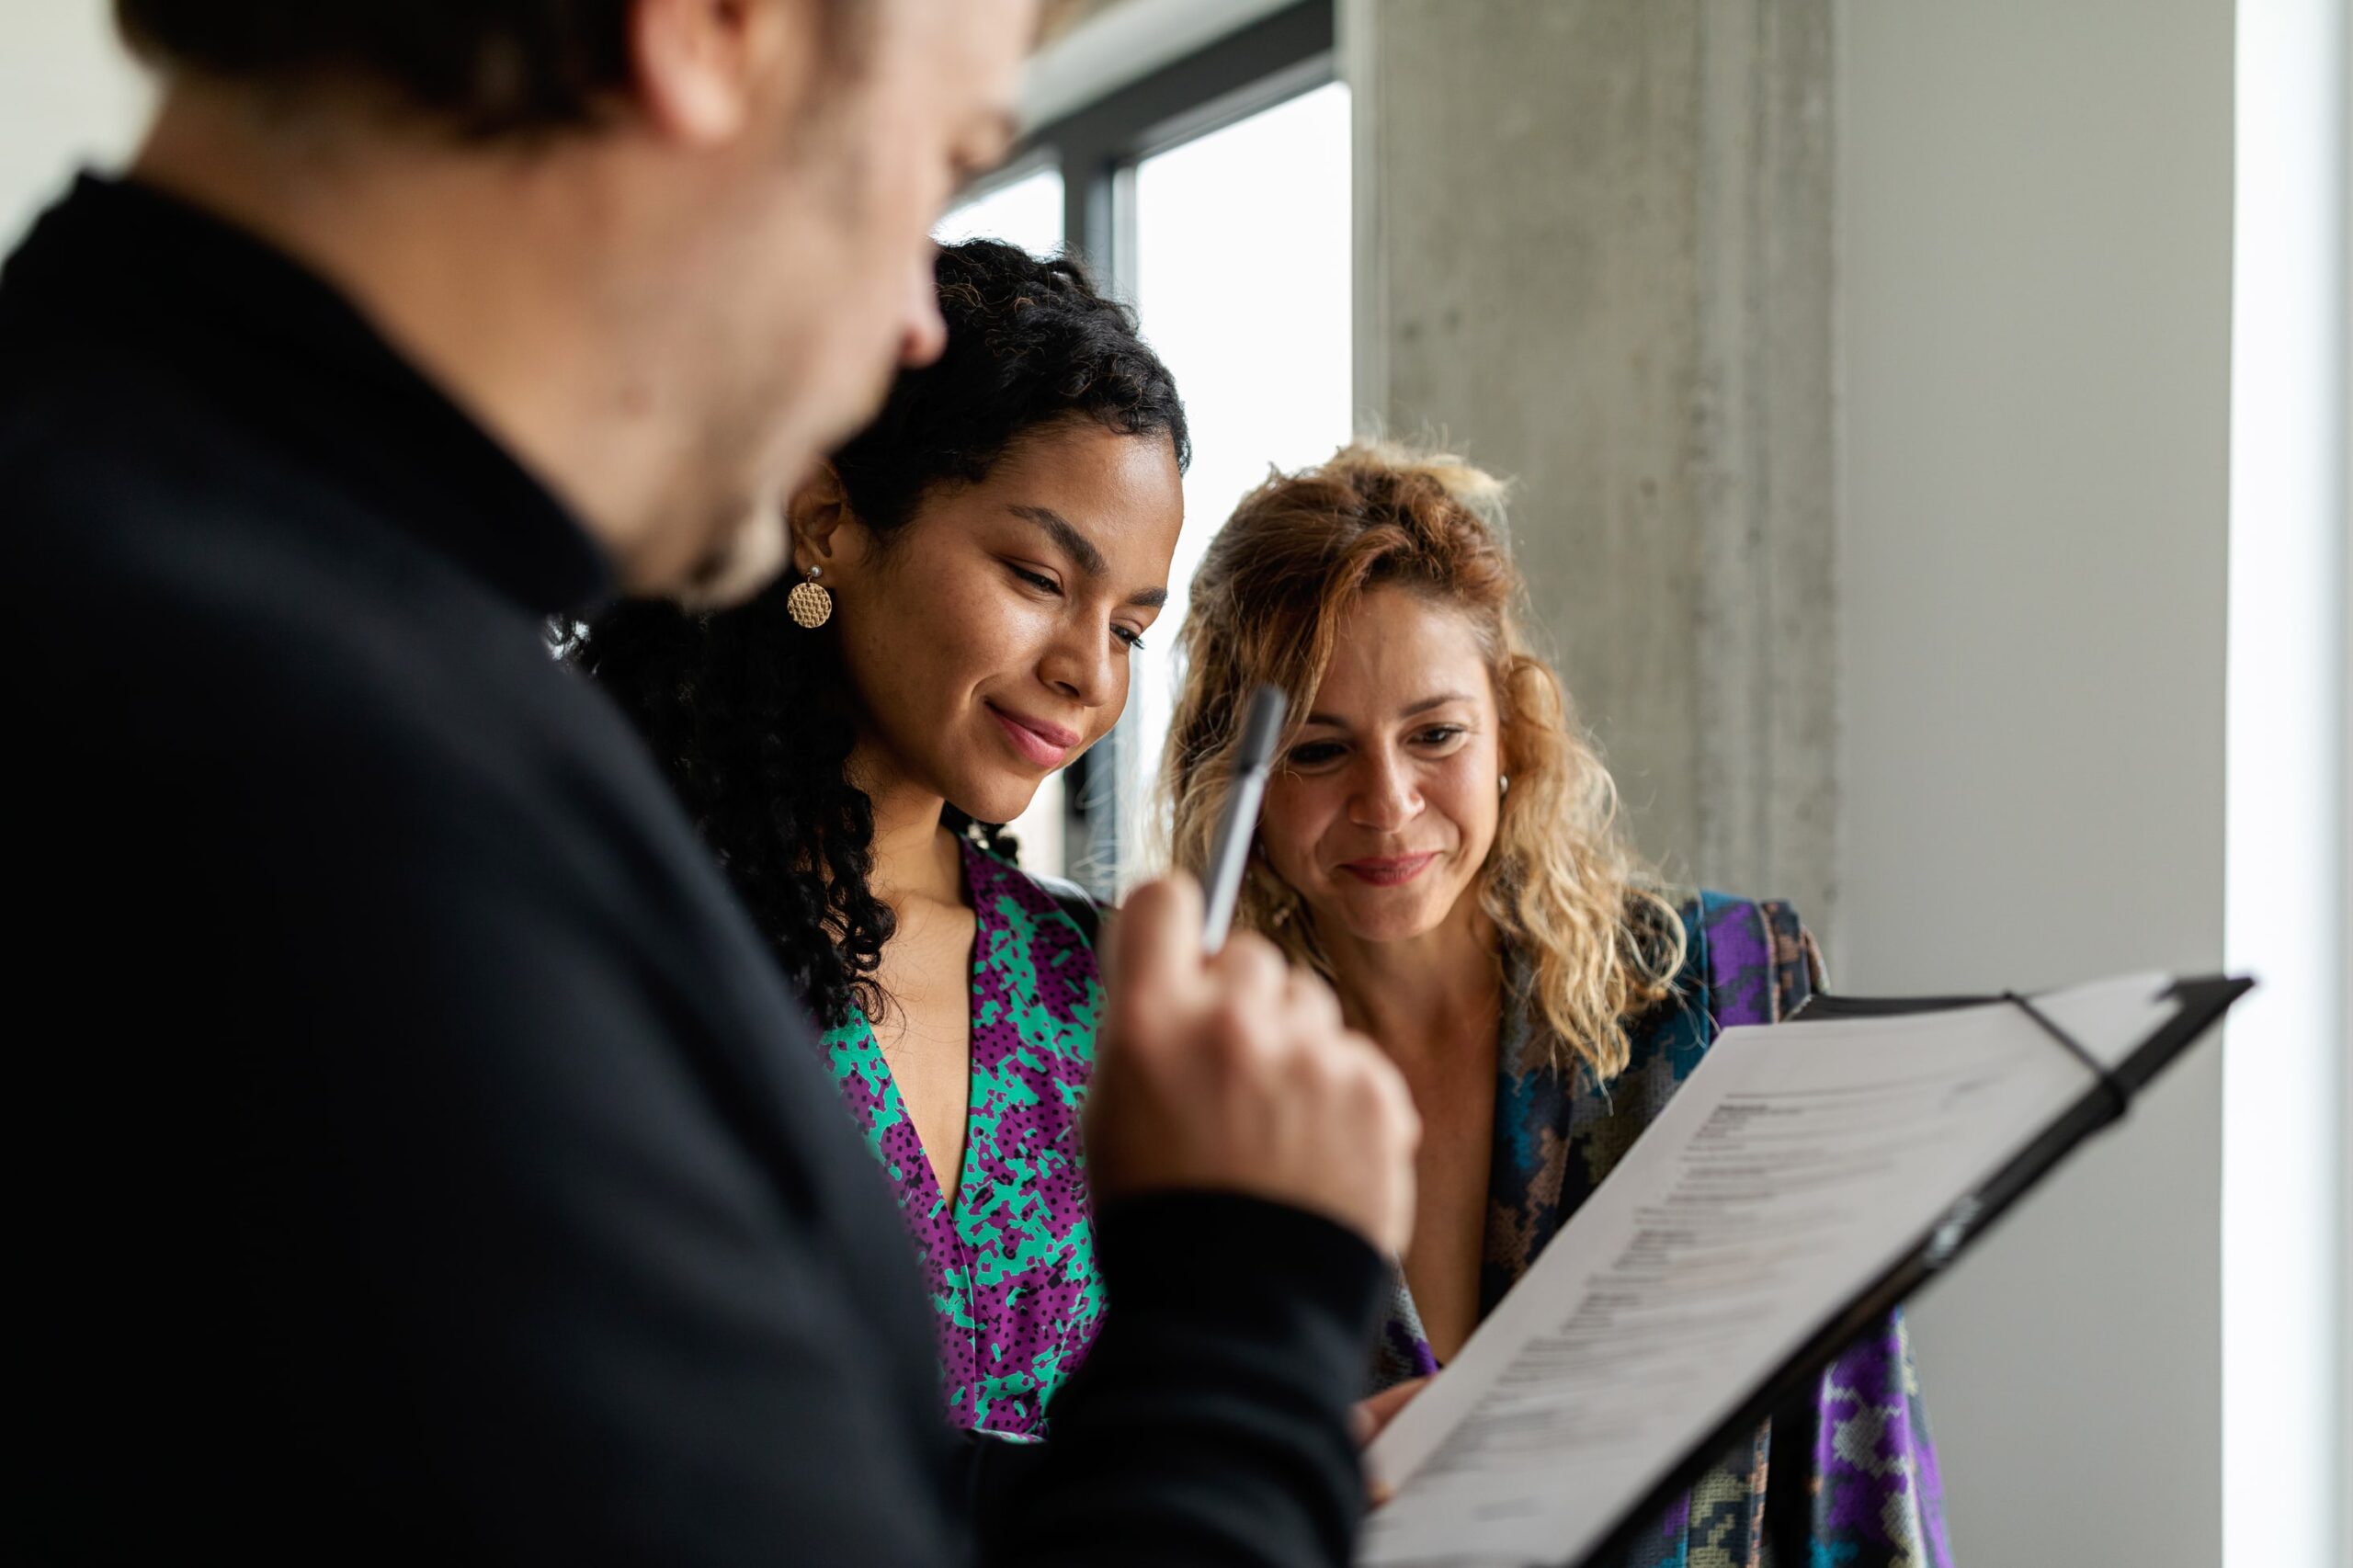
[1383, 811]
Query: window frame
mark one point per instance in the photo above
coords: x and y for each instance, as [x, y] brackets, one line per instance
[1097, 148]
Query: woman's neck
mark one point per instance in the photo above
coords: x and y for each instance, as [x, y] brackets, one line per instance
[1419, 997]
[915, 858]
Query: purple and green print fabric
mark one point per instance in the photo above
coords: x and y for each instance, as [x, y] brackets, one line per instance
[1849, 1480]
[1009, 1258]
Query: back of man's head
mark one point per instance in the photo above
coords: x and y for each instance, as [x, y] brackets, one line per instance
[484, 68]
[668, 251]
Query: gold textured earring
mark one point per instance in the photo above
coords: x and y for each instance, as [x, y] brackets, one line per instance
[810, 604]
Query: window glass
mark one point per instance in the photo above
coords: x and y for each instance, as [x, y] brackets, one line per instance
[1242, 274]
[1026, 212]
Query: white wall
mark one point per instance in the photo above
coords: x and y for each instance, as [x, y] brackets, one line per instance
[68, 97]
[2285, 1463]
[2035, 357]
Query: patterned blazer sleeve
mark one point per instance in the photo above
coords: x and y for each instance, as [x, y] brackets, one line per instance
[1854, 1479]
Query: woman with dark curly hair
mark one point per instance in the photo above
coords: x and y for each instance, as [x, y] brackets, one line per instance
[969, 577]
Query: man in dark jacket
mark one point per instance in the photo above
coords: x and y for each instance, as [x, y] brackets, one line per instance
[417, 1157]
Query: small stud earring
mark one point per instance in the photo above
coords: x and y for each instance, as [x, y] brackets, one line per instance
[1503, 783]
[810, 604]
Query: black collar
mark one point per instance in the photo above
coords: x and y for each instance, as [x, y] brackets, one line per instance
[121, 266]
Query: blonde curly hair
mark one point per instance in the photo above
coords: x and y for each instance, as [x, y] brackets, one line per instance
[1561, 882]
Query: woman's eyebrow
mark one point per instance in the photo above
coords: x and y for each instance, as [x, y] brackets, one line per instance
[1081, 549]
[1423, 706]
[1075, 545]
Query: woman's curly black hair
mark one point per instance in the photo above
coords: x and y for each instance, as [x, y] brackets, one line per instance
[751, 716]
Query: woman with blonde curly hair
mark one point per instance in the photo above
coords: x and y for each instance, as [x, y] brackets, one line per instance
[1439, 841]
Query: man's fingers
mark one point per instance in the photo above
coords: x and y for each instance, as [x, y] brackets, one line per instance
[1235, 1073]
[1253, 968]
[1157, 944]
[1310, 1002]
[1373, 1415]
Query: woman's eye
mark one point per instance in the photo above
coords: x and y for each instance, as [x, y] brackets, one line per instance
[1037, 580]
[1443, 734]
[1314, 754]
[1129, 638]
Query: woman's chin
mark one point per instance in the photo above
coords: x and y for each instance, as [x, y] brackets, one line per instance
[1378, 915]
[997, 799]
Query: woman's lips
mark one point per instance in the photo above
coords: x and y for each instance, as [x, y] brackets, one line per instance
[1042, 742]
[1389, 872]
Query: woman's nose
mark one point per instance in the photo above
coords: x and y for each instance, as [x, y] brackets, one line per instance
[1081, 665]
[1386, 796]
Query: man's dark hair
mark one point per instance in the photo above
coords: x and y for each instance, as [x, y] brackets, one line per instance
[748, 714]
[486, 68]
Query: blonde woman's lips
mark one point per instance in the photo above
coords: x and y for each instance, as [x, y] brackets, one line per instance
[1389, 872]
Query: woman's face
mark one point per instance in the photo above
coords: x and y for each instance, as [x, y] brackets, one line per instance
[1382, 813]
[988, 641]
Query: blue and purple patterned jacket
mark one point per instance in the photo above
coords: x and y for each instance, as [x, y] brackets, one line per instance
[1846, 1480]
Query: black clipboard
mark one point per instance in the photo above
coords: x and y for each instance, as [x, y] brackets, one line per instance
[2107, 1093]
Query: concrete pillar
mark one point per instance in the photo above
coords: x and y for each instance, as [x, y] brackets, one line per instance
[1595, 252]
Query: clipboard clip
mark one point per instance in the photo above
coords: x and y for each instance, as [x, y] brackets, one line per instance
[1959, 1222]
[2113, 1094]
[1952, 1231]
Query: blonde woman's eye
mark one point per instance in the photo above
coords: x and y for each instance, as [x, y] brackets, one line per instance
[1314, 754]
[1129, 638]
[1442, 734]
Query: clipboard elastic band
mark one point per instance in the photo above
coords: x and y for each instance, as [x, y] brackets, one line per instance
[2118, 1098]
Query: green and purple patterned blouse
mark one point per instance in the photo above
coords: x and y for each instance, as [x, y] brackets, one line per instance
[1010, 1263]
[1852, 1479]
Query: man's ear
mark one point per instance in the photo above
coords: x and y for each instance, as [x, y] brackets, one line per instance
[703, 67]
[824, 531]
